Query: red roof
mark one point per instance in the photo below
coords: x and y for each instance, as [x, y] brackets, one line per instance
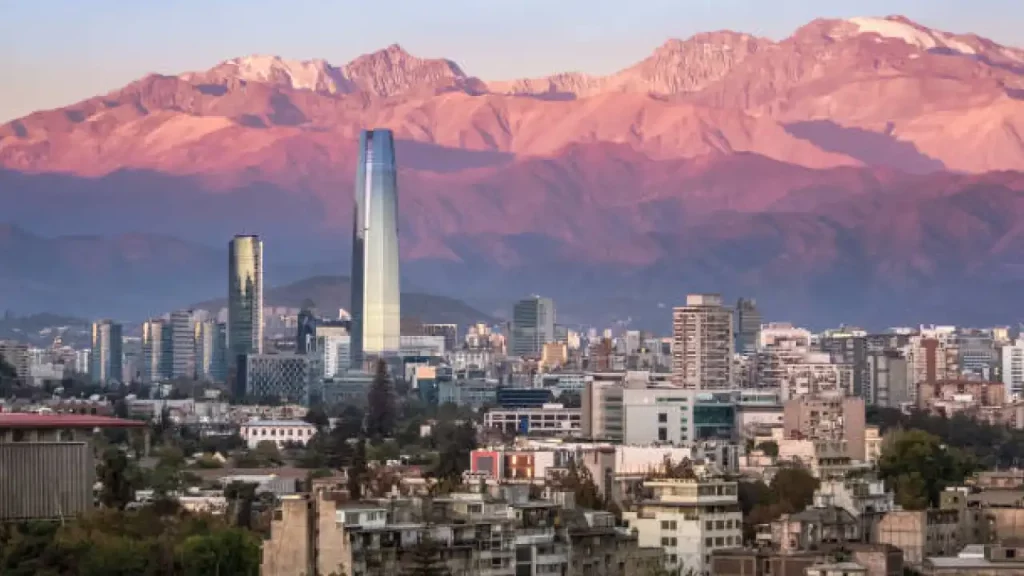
[26, 420]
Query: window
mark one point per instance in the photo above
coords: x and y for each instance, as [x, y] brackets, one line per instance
[719, 541]
[664, 541]
[709, 542]
[662, 435]
[720, 525]
[662, 418]
[709, 525]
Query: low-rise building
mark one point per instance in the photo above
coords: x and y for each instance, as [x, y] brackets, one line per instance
[548, 420]
[280, 432]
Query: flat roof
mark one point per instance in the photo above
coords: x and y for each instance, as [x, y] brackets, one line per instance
[36, 421]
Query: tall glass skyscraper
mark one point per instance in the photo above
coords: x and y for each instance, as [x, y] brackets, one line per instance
[245, 297]
[106, 352]
[376, 313]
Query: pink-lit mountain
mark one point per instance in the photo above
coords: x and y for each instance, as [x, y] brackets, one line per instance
[856, 168]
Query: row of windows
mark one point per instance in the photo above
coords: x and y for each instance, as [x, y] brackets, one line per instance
[253, 432]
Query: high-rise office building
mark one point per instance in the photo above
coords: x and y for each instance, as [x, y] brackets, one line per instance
[748, 326]
[702, 349]
[106, 352]
[183, 344]
[533, 326]
[154, 358]
[376, 309]
[211, 351]
[245, 297]
[16, 354]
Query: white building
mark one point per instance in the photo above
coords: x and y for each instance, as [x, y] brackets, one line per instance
[1013, 368]
[280, 432]
[471, 358]
[688, 519]
[548, 420]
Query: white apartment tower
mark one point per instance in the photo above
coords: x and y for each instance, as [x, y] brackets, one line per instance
[702, 348]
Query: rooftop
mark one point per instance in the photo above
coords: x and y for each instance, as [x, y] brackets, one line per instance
[36, 421]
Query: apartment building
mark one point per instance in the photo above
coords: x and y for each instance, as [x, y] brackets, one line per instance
[689, 519]
[702, 343]
[827, 418]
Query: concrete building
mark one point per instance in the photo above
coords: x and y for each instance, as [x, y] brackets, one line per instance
[1012, 368]
[827, 418]
[702, 343]
[211, 351]
[450, 333]
[951, 396]
[689, 519]
[548, 420]
[887, 379]
[533, 325]
[280, 432]
[47, 464]
[931, 357]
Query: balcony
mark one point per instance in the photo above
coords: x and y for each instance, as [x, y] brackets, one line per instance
[552, 559]
[528, 536]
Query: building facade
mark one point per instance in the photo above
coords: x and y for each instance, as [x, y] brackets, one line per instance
[211, 351]
[376, 305]
[748, 326]
[287, 377]
[183, 344]
[106, 352]
[702, 347]
[533, 326]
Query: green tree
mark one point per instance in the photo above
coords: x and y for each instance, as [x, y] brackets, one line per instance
[454, 445]
[358, 471]
[426, 559]
[770, 448]
[580, 482]
[240, 496]
[918, 467]
[119, 479]
[380, 422]
[794, 488]
[318, 417]
[226, 552]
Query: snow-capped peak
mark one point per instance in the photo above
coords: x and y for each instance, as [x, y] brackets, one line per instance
[299, 74]
[918, 36]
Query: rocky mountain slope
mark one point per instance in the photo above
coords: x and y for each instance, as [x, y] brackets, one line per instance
[868, 158]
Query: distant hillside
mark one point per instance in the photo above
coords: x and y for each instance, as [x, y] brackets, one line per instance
[330, 293]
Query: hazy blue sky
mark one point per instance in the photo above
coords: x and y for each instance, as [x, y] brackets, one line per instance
[55, 52]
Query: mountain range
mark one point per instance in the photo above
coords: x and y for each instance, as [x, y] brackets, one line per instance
[863, 170]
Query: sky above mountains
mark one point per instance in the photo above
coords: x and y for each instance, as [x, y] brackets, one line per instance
[56, 52]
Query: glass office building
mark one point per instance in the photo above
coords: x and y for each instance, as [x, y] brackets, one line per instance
[106, 352]
[245, 297]
[376, 313]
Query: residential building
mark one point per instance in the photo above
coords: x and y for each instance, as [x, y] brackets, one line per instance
[748, 326]
[533, 326]
[977, 353]
[245, 298]
[887, 384]
[702, 346]
[931, 356]
[376, 301]
[106, 352]
[950, 396]
[1012, 368]
[689, 519]
[827, 418]
[280, 432]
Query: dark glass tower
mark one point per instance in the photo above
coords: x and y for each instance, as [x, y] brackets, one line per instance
[376, 312]
[245, 297]
[748, 326]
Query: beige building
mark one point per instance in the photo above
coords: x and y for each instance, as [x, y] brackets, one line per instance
[688, 519]
[702, 343]
[827, 418]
